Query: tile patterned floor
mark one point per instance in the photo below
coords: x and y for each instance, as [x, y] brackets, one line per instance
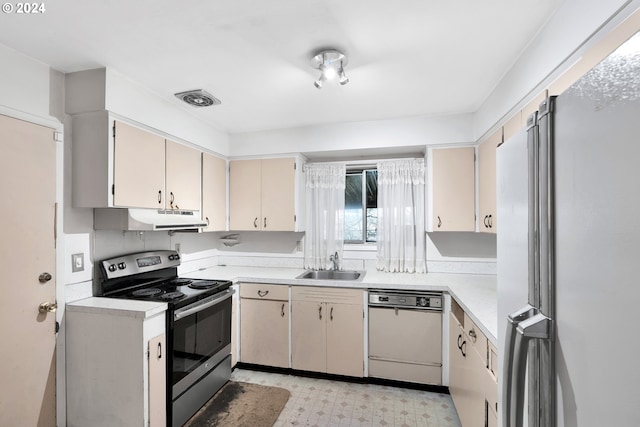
[321, 403]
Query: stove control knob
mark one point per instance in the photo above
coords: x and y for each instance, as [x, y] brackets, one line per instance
[122, 266]
[422, 302]
[112, 267]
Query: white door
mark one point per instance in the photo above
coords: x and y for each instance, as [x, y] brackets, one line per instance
[27, 262]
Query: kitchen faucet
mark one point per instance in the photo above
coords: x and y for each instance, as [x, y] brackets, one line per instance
[335, 260]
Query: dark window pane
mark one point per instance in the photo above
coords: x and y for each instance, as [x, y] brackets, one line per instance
[353, 208]
[372, 189]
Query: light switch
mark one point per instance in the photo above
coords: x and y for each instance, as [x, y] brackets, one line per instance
[77, 262]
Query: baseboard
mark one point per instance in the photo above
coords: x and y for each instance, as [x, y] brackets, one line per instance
[365, 380]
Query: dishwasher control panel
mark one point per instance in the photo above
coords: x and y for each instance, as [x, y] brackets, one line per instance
[406, 299]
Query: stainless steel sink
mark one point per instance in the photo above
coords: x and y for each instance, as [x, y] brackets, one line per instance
[351, 275]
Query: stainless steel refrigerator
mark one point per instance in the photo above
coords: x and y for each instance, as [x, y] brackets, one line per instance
[569, 254]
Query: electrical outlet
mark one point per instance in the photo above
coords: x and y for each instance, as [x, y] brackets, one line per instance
[77, 262]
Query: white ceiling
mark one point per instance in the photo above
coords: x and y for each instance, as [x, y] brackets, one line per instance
[406, 57]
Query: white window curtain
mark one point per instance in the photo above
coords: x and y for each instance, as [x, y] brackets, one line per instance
[325, 185]
[401, 232]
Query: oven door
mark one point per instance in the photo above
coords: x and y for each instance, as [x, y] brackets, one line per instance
[200, 338]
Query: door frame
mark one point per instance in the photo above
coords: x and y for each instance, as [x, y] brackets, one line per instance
[57, 126]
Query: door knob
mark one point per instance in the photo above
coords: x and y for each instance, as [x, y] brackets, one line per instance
[44, 277]
[47, 307]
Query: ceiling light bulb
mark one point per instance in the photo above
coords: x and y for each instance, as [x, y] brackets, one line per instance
[330, 73]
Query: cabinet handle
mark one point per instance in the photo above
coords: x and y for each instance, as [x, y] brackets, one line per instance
[265, 222]
[159, 350]
[486, 218]
[207, 218]
[439, 221]
[282, 311]
[473, 335]
[490, 221]
[255, 223]
[463, 349]
[331, 314]
[262, 294]
[171, 199]
[459, 344]
[320, 312]
[160, 196]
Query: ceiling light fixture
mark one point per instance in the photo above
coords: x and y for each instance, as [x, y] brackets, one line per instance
[331, 64]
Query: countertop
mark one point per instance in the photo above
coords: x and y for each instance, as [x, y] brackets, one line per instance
[476, 294]
[118, 307]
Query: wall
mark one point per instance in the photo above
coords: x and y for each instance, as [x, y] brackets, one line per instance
[369, 136]
[576, 26]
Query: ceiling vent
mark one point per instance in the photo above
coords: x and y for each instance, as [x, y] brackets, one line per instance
[198, 98]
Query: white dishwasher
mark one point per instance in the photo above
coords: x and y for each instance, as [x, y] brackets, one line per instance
[405, 336]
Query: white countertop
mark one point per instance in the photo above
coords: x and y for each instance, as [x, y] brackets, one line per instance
[476, 294]
[118, 307]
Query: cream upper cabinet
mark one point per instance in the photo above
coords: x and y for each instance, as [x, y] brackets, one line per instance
[452, 186]
[487, 218]
[214, 192]
[245, 194]
[262, 194]
[139, 167]
[278, 194]
[327, 330]
[264, 324]
[183, 177]
[117, 164]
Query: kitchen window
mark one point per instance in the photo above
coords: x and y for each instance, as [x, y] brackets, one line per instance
[361, 206]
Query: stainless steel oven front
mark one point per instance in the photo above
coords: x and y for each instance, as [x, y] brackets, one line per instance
[199, 362]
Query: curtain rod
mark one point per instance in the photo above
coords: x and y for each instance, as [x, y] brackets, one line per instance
[362, 164]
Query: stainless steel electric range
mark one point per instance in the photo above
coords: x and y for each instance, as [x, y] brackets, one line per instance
[198, 324]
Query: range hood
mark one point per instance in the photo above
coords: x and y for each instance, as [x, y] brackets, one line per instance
[146, 219]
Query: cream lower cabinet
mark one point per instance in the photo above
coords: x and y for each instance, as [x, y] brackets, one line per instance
[472, 381]
[327, 331]
[116, 363]
[264, 324]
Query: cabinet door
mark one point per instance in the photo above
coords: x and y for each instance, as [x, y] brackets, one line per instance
[345, 339]
[157, 381]
[308, 336]
[214, 192]
[456, 364]
[245, 195]
[278, 194]
[139, 165]
[264, 332]
[183, 177]
[487, 183]
[453, 175]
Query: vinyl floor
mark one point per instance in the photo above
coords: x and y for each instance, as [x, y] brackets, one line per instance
[321, 403]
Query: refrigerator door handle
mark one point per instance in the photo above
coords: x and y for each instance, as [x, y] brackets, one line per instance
[513, 320]
[537, 326]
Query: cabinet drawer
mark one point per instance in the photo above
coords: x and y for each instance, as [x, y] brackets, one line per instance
[490, 391]
[263, 291]
[328, 295]
[476, 338]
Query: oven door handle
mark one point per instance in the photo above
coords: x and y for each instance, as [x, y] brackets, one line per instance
[198, 306]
